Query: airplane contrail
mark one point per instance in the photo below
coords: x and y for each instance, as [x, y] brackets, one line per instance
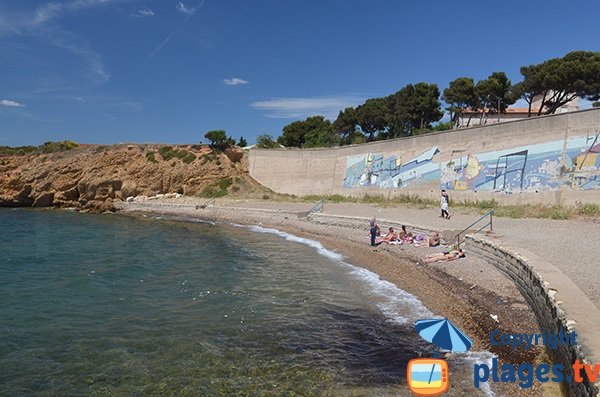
[170, 36]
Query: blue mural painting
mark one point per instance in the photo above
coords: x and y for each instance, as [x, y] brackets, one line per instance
[537, 168]
[574, 163]
[390, 172]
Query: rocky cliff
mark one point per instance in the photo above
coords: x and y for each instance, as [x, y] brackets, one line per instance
[93, 176]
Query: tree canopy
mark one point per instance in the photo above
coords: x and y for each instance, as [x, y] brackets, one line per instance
[494, 94]
[558, 81]
[345, 126]
[315, 131]
[414, 107]
[371, 117]
[216, 137]
[265, 142]
[460, 96]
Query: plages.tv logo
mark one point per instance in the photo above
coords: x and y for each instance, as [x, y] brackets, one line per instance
[430, 376]
[427, 376]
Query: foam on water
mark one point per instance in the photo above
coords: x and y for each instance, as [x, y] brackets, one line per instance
[396, 304]
[290, 237]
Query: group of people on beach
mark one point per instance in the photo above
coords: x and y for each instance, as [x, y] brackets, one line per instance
[418, 240]
[402, 237]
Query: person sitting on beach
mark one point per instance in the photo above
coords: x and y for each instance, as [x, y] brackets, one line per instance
[444, 256]
[405, 236]
[434, 240]
[389, 237]
[423, 241]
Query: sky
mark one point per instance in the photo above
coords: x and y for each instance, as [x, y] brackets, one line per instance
[112, 71]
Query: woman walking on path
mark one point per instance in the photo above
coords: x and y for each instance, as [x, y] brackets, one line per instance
[444, 203]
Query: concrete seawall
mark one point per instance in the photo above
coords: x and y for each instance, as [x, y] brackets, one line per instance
[544, 299]
[543, 159]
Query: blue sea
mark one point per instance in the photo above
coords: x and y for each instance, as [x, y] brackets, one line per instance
[110, 305]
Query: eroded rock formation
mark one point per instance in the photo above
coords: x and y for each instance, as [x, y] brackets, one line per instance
[92, 177]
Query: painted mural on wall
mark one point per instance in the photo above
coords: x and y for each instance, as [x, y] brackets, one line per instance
[390, 172]
[528, 168]
[574, 163]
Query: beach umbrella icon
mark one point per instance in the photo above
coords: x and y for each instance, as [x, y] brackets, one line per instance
[442, 333]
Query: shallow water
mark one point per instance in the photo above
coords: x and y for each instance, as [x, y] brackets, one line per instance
[114, 306]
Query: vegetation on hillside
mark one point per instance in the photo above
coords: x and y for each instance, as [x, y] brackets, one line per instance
[48, 147]
[168, 153]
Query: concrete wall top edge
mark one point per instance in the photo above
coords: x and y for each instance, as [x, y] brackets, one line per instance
[580, 121]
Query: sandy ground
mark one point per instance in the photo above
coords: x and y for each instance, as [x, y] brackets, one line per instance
[468, 291]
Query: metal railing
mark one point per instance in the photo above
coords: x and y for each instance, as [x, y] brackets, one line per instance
[317, 207]
[490, 223]
[209, 202]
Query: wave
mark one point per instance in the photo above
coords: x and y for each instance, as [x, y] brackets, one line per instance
[396, 304]
[290, 237]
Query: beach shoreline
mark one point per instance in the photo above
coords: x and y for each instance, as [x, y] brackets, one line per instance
[469, 298]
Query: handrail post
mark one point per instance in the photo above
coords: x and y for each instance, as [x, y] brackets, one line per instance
[490, 223]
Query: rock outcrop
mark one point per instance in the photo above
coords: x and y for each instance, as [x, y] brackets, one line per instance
[92, 176]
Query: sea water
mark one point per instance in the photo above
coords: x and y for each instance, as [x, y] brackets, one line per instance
[108, 305]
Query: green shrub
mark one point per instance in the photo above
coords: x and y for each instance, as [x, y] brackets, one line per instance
[52, 147]
[168, 153]
[48, 147]
[225, 183]
[217, 189]
[150, 157]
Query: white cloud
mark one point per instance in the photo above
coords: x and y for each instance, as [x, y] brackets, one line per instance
[9, 103]
[49, 11]
[144, 12]
[297, 108]
[42, 25]
[235, 81]
[185, 9]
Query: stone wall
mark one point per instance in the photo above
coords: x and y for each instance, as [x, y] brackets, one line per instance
[463, 160]
[541, 298]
